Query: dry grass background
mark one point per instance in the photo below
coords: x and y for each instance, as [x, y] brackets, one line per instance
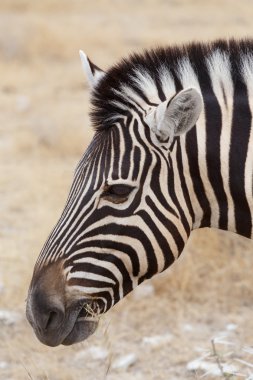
[44, 128]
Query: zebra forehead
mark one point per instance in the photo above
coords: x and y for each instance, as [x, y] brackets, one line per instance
[145, 79]
[110, 149]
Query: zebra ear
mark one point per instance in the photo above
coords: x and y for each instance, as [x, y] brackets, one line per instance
[93, 73]
[176, 116]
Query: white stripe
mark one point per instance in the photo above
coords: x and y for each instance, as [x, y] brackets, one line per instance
[197, 209]
[89, 276]
[104, 264]
[90, 290]
[220, 73]
[132, 163]
[180, 195]
[167, 80]
[132, 242]
[60, 227]
[130, 95]
[134, 220]
[164, 231]
[146, 84]
[124, 257]
[189, 79]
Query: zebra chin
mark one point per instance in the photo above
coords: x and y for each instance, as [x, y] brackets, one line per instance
[82, 330]
[83, 327]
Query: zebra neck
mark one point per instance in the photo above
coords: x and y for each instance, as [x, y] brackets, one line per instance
[217, 161]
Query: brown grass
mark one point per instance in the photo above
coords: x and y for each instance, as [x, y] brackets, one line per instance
[44, 119]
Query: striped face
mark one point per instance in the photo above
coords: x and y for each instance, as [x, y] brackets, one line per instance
[120, 226]
[123, 221]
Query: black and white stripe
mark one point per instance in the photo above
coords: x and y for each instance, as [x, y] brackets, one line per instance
[202, 178]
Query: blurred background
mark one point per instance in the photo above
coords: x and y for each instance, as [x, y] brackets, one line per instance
[194, 320]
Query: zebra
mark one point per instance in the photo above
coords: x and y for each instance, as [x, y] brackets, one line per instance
[171, 152]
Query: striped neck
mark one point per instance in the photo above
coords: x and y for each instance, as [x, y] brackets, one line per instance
[217, 159]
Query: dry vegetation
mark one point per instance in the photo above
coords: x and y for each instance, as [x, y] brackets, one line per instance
[207, 295]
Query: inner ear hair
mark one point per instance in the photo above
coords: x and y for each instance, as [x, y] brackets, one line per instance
[183, 111]
[183, 107]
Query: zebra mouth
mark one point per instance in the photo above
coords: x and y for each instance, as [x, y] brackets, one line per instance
[55, 323]
[83, 327]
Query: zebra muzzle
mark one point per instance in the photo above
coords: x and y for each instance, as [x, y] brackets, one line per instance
[54, 325]
[54, 319]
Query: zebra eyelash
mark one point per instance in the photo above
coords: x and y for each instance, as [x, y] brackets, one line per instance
[117, 193]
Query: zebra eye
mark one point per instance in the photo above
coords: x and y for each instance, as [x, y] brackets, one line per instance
[117, 193]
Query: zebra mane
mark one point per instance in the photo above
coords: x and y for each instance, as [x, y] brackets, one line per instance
[146, 79]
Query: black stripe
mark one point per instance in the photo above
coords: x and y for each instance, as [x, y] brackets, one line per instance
[155, 186]
[241, 124]
[92, 170]
[192, 153]
[71, 232]
[62, 235]
[107, 244]
[128, 142]
[116, 153]
[126, 279]
[173, 194]
[159, 88]
[183, 181]
[91, 268]
[142, 95]
[133, 232]
[213, 135]
[168, 224]
[159, 238]
[136, 159]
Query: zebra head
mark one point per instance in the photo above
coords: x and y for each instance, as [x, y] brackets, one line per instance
[124, 220]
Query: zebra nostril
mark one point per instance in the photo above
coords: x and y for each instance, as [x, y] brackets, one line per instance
[45, 313]
[53, 319]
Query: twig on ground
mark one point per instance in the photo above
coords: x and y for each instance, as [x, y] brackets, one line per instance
[218, 362]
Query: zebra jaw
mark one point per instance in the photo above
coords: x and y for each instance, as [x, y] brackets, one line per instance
[84, 326]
